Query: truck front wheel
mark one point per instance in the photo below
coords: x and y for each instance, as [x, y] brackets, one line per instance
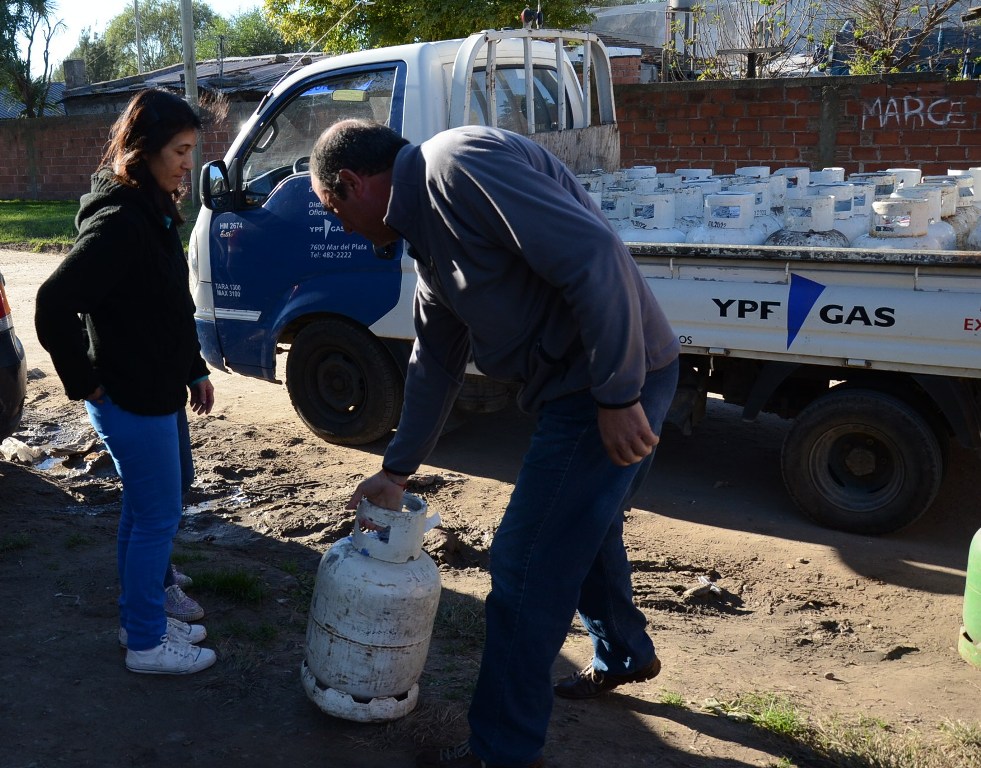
[343, 383]
[862, 461]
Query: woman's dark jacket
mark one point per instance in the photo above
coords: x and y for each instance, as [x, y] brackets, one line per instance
[126, 276]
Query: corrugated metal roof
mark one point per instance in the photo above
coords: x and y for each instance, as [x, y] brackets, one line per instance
[11, 108]
[239, 74]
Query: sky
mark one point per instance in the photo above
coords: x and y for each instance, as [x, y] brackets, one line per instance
[78, 15]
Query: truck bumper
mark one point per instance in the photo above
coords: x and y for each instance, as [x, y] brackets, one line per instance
[210, 346]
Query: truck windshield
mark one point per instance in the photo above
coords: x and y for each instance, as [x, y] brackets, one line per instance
[282, 146]
[512, 114]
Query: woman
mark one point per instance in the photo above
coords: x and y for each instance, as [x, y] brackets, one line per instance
[135, 356]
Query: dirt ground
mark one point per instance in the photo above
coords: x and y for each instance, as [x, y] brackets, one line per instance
[839, 624]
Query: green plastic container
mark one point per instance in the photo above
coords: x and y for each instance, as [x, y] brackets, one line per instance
[970, 640]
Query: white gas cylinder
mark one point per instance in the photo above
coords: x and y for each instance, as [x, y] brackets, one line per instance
[809, 221]
[843, 192]
[728, 219]
[689, 174]
[953, 206]
[827, 175]
[899, 224]
[905, 177]
[371, 617]
[942, 230]
[885, 183]
[652, 219]
[797, 178]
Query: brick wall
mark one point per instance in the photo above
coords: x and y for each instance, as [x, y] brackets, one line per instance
[54, 158]
[859, 123]
[624, 70]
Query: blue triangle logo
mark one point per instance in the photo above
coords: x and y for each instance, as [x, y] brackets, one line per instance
[803, 294]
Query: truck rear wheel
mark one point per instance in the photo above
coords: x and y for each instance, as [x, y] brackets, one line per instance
[343, 383]
[862, 461]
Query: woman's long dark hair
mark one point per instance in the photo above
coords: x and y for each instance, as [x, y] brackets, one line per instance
[151, 119]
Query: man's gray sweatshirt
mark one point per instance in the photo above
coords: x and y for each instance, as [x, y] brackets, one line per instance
[519, 268]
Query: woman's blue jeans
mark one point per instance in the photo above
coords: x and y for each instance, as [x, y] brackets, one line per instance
[147, 453]
[559, 549]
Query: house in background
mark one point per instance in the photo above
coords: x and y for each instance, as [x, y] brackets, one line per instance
[11, 108]
[243, 80]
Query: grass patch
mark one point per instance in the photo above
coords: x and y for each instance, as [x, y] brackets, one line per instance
[14, 542]
[864, 742]
[183, 558]
[76, 540]
[237, 585]
[261, 634]
[38, 224]
[49, 225]
[460, 617]
[672, 699]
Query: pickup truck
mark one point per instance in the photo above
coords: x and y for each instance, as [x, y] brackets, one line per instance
[875, 355]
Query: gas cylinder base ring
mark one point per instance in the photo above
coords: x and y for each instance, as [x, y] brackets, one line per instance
[343, 705]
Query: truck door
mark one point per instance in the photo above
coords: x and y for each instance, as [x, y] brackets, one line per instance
[279, 254]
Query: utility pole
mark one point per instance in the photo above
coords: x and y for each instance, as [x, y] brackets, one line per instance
[191, 86]
[139, 44]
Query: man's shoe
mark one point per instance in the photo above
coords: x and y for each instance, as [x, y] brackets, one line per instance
[179, 606]
[192, 633]
[172, 657]
[589, 683]
[182, 580]
[459, 756]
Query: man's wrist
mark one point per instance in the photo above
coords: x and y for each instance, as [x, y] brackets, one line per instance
[400, 480]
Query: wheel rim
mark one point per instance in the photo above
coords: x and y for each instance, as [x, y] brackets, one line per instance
[340, 386]
[858, 470]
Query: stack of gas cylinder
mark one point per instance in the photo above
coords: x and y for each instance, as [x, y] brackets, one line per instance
[898, 208]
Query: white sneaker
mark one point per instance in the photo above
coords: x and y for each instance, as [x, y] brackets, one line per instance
[179, 606]
[182, 580]
[173, 656]
[192, 633]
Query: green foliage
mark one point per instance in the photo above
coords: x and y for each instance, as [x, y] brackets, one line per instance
[102, 61]
[24, 37]
[248, 34]
[160, 34]
[888, 34]
[349, 25]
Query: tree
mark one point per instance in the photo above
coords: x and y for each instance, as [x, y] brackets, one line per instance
[101, 60]
[753, 38]
[27, 24]
[160, 34]
[348, 25]
[884, 35]
[248, 34]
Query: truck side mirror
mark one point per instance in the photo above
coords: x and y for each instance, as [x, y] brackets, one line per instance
[216, 191]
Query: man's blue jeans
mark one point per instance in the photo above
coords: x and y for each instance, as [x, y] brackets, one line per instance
[559, 549]
[146, 452]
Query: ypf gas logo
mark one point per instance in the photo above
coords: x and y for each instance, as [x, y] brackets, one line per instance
[803, 297]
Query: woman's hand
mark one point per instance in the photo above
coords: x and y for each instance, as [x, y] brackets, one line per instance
[202, 397]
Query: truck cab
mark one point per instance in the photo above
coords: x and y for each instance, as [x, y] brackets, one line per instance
[272, 271]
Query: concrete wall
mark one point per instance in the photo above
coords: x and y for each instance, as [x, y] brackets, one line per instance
[859, 123]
